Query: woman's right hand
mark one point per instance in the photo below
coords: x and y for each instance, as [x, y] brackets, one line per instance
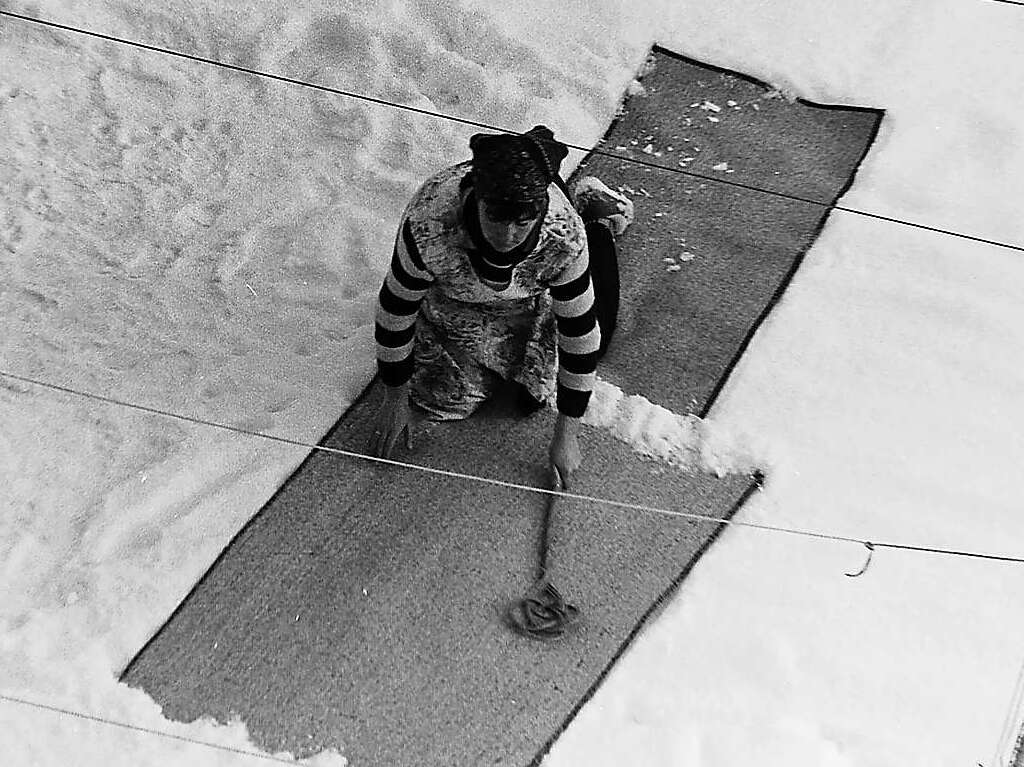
[393, 419]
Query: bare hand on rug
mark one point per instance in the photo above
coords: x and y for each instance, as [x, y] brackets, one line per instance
[565, 452]
[393, 418]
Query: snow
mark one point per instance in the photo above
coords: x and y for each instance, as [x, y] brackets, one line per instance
[684, 441]
[209, 243]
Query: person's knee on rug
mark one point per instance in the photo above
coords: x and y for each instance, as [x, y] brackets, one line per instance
[598, 203]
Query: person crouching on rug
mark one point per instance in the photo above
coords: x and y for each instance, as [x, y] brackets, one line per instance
[495, 277]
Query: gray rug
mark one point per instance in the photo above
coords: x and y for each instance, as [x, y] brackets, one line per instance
[362, 608]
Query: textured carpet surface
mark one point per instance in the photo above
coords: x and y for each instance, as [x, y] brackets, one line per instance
[734, 248]
[362, 608]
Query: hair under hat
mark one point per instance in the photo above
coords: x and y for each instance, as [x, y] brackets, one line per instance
[513, 170]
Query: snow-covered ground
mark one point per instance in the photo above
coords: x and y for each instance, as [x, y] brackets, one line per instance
[209, 243]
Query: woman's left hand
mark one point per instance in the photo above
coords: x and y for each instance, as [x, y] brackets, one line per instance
[565, 452]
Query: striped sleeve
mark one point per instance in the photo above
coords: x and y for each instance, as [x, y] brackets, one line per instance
[398, 303]
[579, 336]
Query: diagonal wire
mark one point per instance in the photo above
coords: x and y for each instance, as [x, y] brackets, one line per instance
[477, 124]
[502, 483]
[473, 123]
[144, 730]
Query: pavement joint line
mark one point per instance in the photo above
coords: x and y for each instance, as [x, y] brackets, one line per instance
[1008, 734]
[488, 126]
[144, 730]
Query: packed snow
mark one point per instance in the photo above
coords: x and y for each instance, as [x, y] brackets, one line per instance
[209, 243]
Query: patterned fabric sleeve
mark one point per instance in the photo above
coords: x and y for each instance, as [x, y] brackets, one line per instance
[579, 336]
[398, 303]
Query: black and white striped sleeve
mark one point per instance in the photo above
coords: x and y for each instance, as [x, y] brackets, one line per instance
[579, 336]
[398, 303]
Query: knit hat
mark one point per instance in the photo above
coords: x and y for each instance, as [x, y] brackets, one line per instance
[514, 170]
